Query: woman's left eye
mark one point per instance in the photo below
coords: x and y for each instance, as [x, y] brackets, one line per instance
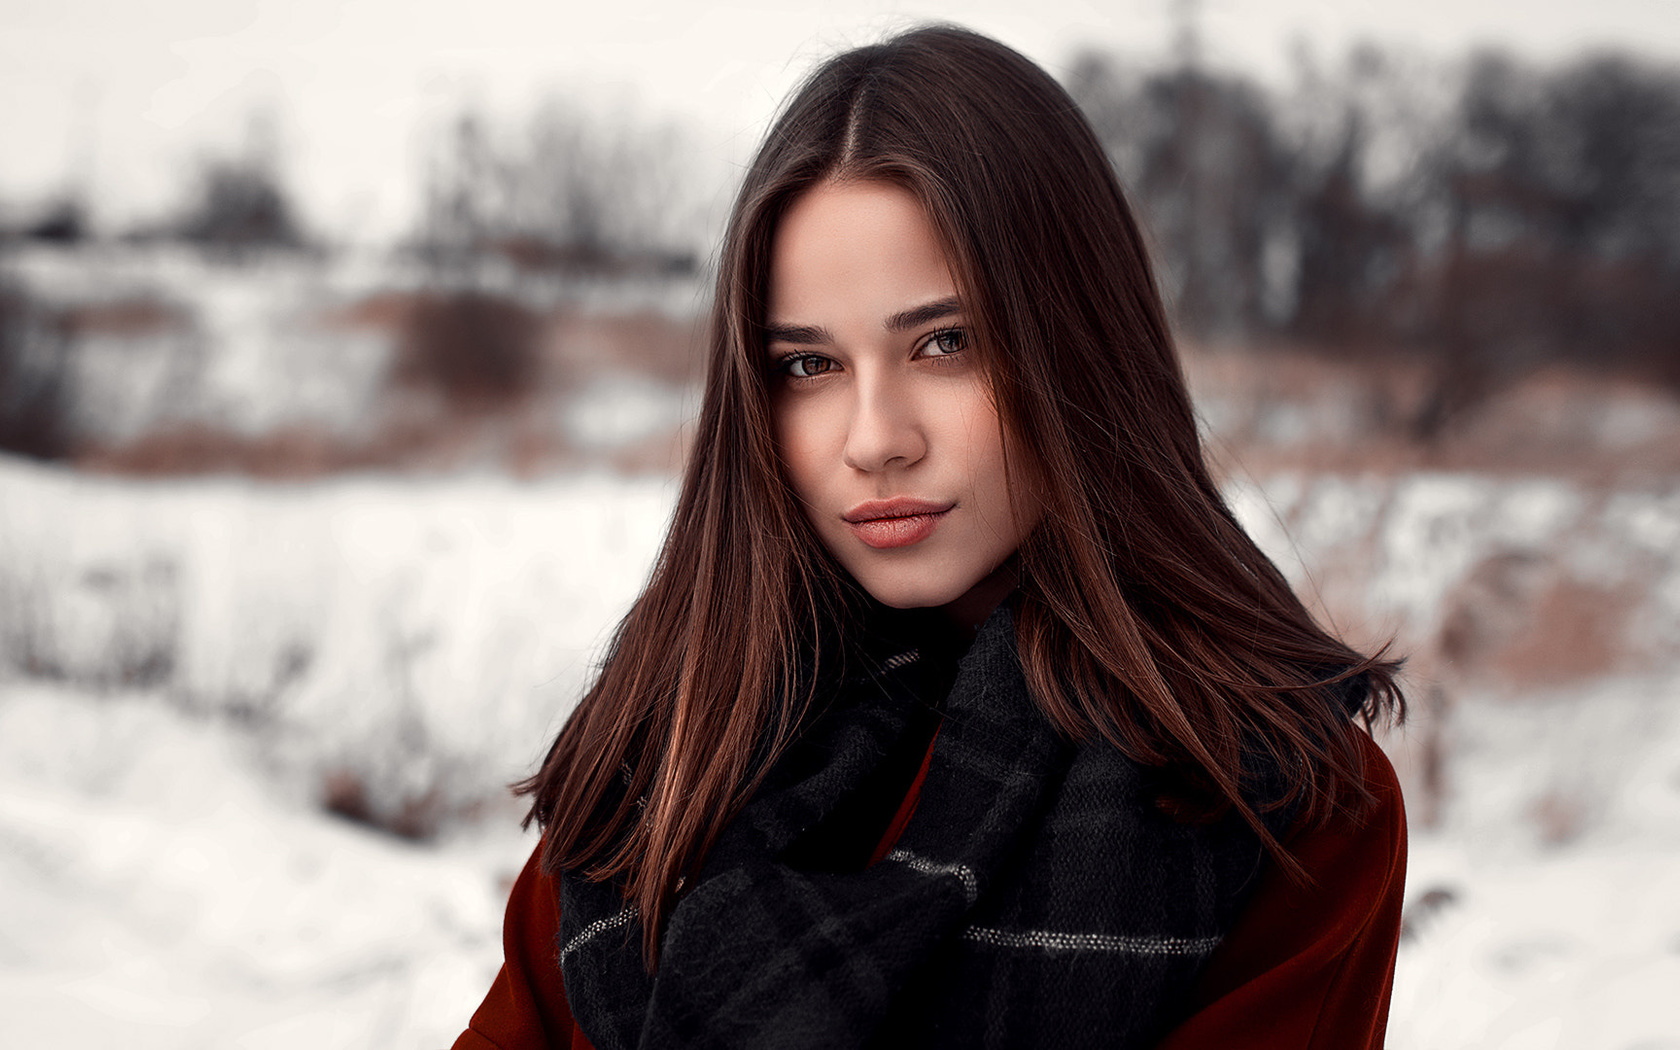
[946, 343]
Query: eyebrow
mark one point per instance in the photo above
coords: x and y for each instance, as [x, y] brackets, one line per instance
[917, 316]
[903, 321]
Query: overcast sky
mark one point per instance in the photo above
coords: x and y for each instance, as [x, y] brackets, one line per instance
[130, 92]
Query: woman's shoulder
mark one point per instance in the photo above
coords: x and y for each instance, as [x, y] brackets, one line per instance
[1379, 776]
[1310, 961]
[1365, 829]
[1372, 810]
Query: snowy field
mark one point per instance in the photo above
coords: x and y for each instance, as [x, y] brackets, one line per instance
[190, 671]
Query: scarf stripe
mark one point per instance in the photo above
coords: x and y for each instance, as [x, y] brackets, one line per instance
[916, 862]
[596, 928]
[893, 663]
[1055, 940]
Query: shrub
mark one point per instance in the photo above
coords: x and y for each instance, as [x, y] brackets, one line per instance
[34, 418]
[477, 351]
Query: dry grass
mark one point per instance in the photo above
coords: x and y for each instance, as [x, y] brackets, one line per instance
[475, 381]
[1295, 410]
[1574, 630]
[132, 317]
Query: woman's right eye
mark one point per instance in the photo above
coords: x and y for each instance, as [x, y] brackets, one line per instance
[804, 366]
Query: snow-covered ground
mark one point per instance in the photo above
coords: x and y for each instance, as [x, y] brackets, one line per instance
[188, 669]
[1524, 943]
[414, 640]
[146, 339]
[160, 892]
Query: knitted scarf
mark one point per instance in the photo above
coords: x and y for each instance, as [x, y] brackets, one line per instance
[1037, 897]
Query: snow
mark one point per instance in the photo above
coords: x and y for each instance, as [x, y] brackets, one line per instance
[618, 409]
[160, 893]
[221, 651]
[1563, 931]
[265, 346]
[420, 636]
[185, 665]
[247, 349]
[1576, 952]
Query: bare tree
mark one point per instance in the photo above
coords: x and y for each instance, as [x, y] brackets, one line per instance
[240, 201]
[1201, 155]
[572, 188]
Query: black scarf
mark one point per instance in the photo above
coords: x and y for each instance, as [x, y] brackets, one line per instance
[1037, 898]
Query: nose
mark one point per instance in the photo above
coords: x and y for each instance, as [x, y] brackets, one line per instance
[885, 428]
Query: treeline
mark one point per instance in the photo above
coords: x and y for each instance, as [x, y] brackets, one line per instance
[1491, 218]
[567, 188]
[1485, 218]
[234, 202]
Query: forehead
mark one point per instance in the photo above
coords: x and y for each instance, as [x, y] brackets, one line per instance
[852, 251]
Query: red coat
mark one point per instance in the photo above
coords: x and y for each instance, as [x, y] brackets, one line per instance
[1303, 967]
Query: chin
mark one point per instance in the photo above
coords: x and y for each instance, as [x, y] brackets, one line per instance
[914, 594]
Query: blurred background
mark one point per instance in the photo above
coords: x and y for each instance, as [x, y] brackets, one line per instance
[347, 351]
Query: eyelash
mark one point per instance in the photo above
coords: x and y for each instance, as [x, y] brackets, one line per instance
[784, 365]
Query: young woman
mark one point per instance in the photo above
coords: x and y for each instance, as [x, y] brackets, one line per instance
[958, 710]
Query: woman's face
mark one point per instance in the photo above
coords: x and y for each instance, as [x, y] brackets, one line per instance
[884, 417]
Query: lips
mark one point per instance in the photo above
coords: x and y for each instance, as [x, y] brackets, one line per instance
[898, 522]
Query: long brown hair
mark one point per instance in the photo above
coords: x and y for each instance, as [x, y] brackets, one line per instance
[1146, 615]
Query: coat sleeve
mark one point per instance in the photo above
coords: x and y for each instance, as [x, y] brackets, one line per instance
[526, 1007]
[1311, 967]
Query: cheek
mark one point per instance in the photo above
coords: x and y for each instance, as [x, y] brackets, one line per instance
[1004, 483]
[798, 444]
[981, 439]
